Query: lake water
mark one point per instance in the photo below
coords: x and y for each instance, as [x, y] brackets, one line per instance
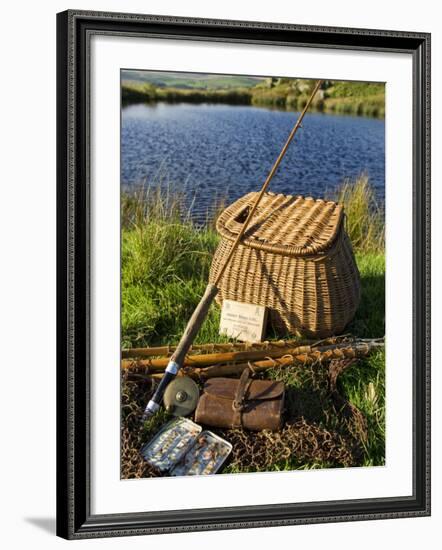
[223, 151]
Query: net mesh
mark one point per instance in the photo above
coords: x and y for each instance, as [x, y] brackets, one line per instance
[321, 428]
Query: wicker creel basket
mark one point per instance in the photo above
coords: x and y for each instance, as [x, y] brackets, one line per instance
[295, 258]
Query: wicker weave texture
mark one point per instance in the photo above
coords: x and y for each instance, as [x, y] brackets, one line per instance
[283, 223]
[296, 259]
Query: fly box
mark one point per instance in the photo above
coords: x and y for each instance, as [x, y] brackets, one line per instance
[170, 443]
[182, 448]
[205, 456]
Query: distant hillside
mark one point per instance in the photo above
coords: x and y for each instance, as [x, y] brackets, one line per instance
[189, 80]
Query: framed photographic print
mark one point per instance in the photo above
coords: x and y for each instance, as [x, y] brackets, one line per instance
[243, 274]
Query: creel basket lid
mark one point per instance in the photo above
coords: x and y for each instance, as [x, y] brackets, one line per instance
[285, 224]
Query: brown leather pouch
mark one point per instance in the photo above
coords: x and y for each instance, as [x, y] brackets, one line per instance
[251, 404]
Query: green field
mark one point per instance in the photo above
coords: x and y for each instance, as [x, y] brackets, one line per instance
[165, 267]
[189, 80]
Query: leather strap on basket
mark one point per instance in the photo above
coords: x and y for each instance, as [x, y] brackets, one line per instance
[238, 402]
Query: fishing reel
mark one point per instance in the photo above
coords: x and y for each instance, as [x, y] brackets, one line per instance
[181, 396]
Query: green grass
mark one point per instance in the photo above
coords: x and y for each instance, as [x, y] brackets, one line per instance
[364, 386]
[355, 98]
[165, 267]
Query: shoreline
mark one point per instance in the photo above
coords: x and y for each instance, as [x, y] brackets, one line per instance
[367, 107]
[287, 109]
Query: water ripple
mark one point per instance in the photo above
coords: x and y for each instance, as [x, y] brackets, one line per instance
[213, 151]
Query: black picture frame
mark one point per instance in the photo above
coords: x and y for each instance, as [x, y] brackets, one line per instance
[74, 518]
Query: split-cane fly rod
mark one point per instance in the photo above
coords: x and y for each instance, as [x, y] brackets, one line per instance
[200, 313]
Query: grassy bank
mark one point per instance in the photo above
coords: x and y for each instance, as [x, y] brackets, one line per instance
[135, 91]
[356, 98]
[165, 267]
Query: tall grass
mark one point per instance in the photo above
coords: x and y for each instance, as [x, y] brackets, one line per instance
[147, 203]
[364, 218]
[357, 98]
[165, 266]
[373, 106]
